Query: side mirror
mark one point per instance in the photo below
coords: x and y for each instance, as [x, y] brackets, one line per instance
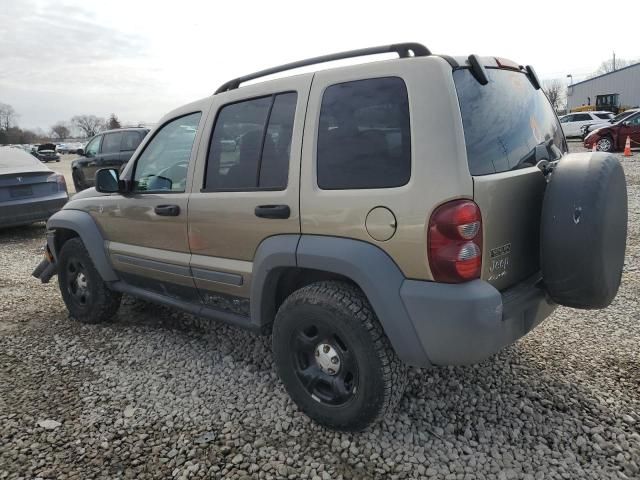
[626, 123]
[107, 180]
[80, 151]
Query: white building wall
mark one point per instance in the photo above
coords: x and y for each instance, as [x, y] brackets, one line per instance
[625, 81]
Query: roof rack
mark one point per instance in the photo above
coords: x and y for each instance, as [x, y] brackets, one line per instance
[402, 49]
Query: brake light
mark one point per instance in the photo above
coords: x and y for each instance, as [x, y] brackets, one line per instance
[58, 178]
[455, 242]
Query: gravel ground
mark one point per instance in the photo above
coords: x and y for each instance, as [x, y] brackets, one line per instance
[158, 394]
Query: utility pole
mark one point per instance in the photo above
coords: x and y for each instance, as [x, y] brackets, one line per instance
[614, 61]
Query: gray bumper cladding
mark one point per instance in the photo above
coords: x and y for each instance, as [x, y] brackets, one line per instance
[466, 323]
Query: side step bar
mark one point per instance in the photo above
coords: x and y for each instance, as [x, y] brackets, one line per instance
[192, 308]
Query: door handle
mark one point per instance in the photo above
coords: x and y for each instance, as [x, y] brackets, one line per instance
[167, 210]
[273, 211]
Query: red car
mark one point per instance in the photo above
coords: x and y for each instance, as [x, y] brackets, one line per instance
[613, 137]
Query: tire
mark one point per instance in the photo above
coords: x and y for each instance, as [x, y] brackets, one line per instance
[328, 320]
[605, 144]
[584, 230]
[84, 292]
[76, 181]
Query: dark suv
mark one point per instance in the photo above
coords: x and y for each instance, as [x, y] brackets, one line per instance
[110, 149]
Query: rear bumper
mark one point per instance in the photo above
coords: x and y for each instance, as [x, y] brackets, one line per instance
[26, 211]
[466, 323]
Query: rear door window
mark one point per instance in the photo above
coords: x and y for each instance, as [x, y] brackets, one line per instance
[111, 142]
[364, 137]
[130, 141]
[507, 123]
[251, 144]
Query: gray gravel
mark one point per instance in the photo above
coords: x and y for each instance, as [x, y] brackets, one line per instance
[158, 394]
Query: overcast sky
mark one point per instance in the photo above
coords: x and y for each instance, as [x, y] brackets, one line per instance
[140, 59]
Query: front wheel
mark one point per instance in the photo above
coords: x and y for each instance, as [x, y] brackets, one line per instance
[605, 144]
[77, 183]
[87, 297]
[333, 357]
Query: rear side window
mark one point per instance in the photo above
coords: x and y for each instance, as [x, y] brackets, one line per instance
[604, 116]
[111, 142]
[251, 144]
[364, 137]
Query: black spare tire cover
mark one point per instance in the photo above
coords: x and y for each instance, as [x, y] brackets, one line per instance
[584, 230]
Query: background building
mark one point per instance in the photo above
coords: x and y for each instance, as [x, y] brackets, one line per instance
[625, 82]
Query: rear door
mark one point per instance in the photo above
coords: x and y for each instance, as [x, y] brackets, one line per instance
[246, 187]
[508, 126]
[130, 141]
[109, 156]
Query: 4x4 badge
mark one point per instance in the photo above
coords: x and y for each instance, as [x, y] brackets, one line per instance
[501, 250]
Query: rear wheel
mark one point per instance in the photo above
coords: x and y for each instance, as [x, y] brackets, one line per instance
[334, 358]
[605, 144]
[85, 294]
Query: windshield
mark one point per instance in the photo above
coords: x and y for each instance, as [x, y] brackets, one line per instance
[622, 116]
[508, 124]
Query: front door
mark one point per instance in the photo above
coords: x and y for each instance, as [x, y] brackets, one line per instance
[246, 186]
[91, 152]
[630, 128]
[146, 229]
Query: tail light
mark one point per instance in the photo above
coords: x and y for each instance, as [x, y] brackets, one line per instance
[455, 242]
[58, 178]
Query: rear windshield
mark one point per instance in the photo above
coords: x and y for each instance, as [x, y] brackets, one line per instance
[508, 124]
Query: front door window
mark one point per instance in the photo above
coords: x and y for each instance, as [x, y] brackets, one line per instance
[162, 166]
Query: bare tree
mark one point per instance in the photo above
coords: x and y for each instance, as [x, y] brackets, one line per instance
[89, 124]
[7, 116]
[60, 130]
[555, 91]
[113, 122]
[608, 66]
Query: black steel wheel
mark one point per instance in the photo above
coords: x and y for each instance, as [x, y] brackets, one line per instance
[333, 356]
[85, 294]
[77, 281]
[323, 362]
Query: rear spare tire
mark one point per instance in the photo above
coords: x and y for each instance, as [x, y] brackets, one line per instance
[584, 230]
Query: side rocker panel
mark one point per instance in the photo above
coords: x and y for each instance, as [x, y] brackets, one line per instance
[82, 223]
[379, 278]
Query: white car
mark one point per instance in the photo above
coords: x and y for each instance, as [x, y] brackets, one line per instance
[573, 122]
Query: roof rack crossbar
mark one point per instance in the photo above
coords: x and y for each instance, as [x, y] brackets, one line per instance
[402, 49]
